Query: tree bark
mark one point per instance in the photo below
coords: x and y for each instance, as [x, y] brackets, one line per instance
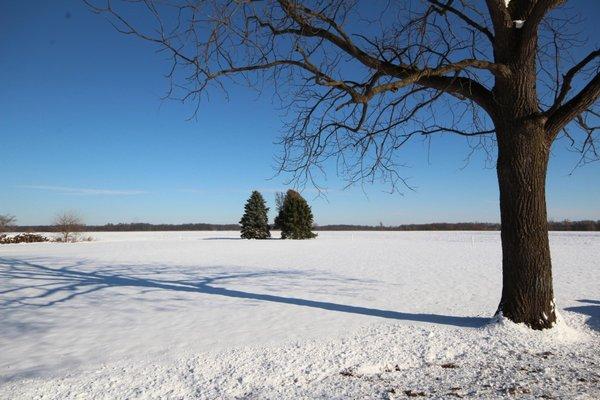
[527, 294]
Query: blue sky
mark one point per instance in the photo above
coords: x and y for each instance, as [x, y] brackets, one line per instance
[83, 128]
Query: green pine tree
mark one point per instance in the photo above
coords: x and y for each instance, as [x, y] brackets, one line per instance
[295, 217]
[255, 223]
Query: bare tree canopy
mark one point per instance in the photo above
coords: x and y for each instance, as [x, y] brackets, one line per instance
[360, 79]
[6, 221]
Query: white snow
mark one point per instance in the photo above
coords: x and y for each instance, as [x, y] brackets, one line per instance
[519, 23]
[347, 315]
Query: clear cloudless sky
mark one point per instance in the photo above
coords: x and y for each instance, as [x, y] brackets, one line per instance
[83, 127]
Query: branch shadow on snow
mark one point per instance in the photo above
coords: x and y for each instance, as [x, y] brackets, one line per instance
[592, 310]
[53, 286]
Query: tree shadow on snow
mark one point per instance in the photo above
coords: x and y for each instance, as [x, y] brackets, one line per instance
[593, 310]
[52, 286]
[238, 238]
[222, 238]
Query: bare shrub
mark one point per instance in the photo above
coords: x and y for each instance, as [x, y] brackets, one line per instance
[69, 225]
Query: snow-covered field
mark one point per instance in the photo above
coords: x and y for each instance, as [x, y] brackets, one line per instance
[347, 315]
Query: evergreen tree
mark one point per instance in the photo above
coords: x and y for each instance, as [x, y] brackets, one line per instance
[295, 217]
[255, 223]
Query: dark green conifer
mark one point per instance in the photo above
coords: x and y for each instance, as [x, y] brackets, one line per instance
[255, 222]
[295, 217]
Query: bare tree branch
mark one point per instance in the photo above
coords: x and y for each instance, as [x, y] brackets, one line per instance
[356, 96]
[568, 78]
[441, 8]
[574, 107]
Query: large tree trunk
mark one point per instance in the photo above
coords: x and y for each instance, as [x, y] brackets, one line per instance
[527, 294]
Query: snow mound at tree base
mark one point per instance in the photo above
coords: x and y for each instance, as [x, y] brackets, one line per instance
[561, 331]
[387, 361]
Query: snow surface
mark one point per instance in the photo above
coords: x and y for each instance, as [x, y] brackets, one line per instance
[347, 315]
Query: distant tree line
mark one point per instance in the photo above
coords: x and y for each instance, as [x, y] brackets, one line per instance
[436, 226]
[585, 225]
[135, 227]
[574, 225]
[566, 225]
